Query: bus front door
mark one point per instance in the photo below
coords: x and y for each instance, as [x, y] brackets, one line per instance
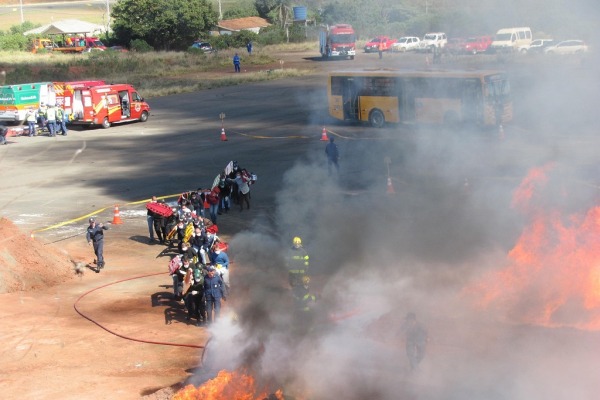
[350, 99]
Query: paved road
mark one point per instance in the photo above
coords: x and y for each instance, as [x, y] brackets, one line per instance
[453, 202]
[271, 126]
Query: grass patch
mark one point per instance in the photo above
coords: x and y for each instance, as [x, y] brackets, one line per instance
[153, 74]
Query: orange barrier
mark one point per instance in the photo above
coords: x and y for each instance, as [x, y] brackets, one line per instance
[117, 216]
[324, 135]
[390, 187]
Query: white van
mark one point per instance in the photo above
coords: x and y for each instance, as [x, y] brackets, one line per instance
[433, 39]
[512, 39]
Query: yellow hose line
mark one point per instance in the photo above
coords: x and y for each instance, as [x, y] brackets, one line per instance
[98, 211]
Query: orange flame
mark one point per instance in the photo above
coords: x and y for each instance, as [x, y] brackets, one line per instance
[526, 190]
[552, 276]
[226, 386]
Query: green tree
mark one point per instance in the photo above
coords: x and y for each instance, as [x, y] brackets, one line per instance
[278, 11]
[246, 10]
[163, 24]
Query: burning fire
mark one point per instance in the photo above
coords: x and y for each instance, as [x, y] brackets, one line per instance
[552, 276]
[234, 385]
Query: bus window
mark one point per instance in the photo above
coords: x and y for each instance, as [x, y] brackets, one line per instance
[337, 85]
[379, 86]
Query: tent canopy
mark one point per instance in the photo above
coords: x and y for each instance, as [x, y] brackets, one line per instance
[67, 26]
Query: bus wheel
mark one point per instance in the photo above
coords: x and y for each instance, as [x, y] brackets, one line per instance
[144, 116]
[376, 119]
[105, 123]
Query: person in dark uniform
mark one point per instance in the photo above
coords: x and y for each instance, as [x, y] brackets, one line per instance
[213, 291]
[194, 297]
[150, 220]
[95, 236]
[3, 133]
[236, 62]
[416, 340]
[333, 155]
[160, 227]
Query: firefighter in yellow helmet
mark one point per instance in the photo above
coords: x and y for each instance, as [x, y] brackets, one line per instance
[305, 300]
[297, 263]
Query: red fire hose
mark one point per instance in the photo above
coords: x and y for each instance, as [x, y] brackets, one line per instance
[195, 346]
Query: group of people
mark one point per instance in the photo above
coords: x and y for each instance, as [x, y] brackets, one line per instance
[198, 283]
[232, 188]
[49, 116]
[200, 269]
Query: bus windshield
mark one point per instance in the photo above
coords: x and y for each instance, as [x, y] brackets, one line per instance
[497, 86]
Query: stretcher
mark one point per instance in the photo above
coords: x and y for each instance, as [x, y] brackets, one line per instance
[160, 209]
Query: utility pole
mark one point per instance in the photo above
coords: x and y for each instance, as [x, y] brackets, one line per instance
[22, 18]
[107, 17]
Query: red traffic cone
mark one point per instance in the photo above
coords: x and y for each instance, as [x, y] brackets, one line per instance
[117, 217]
[324, 137]
[223, 136]
[390, 188]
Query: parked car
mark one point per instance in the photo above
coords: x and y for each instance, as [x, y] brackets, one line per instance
[456, 45]
[539, 45]
[567, 47]
[433, 39]
[119, 49]
[477, 44]
[406, 43]
[373, 44]
[511, 40]
[204, 46]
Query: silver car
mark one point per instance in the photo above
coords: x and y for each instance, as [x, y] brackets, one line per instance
[406, 43]
[567, 47]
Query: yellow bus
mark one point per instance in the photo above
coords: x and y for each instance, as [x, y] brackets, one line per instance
[420, 97]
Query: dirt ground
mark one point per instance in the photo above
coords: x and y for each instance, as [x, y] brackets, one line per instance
[55, 330]
[72, 333]
[63, 339]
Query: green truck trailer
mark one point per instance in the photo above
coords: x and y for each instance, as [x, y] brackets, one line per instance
[15, 100]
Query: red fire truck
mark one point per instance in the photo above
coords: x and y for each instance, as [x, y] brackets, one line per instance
[64, 92]
[337, 41]
[108, 104]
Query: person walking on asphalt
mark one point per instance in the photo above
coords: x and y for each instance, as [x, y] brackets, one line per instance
[95, 236]
[333, 155]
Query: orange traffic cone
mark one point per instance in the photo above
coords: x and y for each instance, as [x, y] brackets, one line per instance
[324, 137]
[223, 136]
[117, 217]
[390, 188]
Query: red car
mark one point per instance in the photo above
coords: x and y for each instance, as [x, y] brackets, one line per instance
[385, 41]
[456, 45]
[478, 44]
